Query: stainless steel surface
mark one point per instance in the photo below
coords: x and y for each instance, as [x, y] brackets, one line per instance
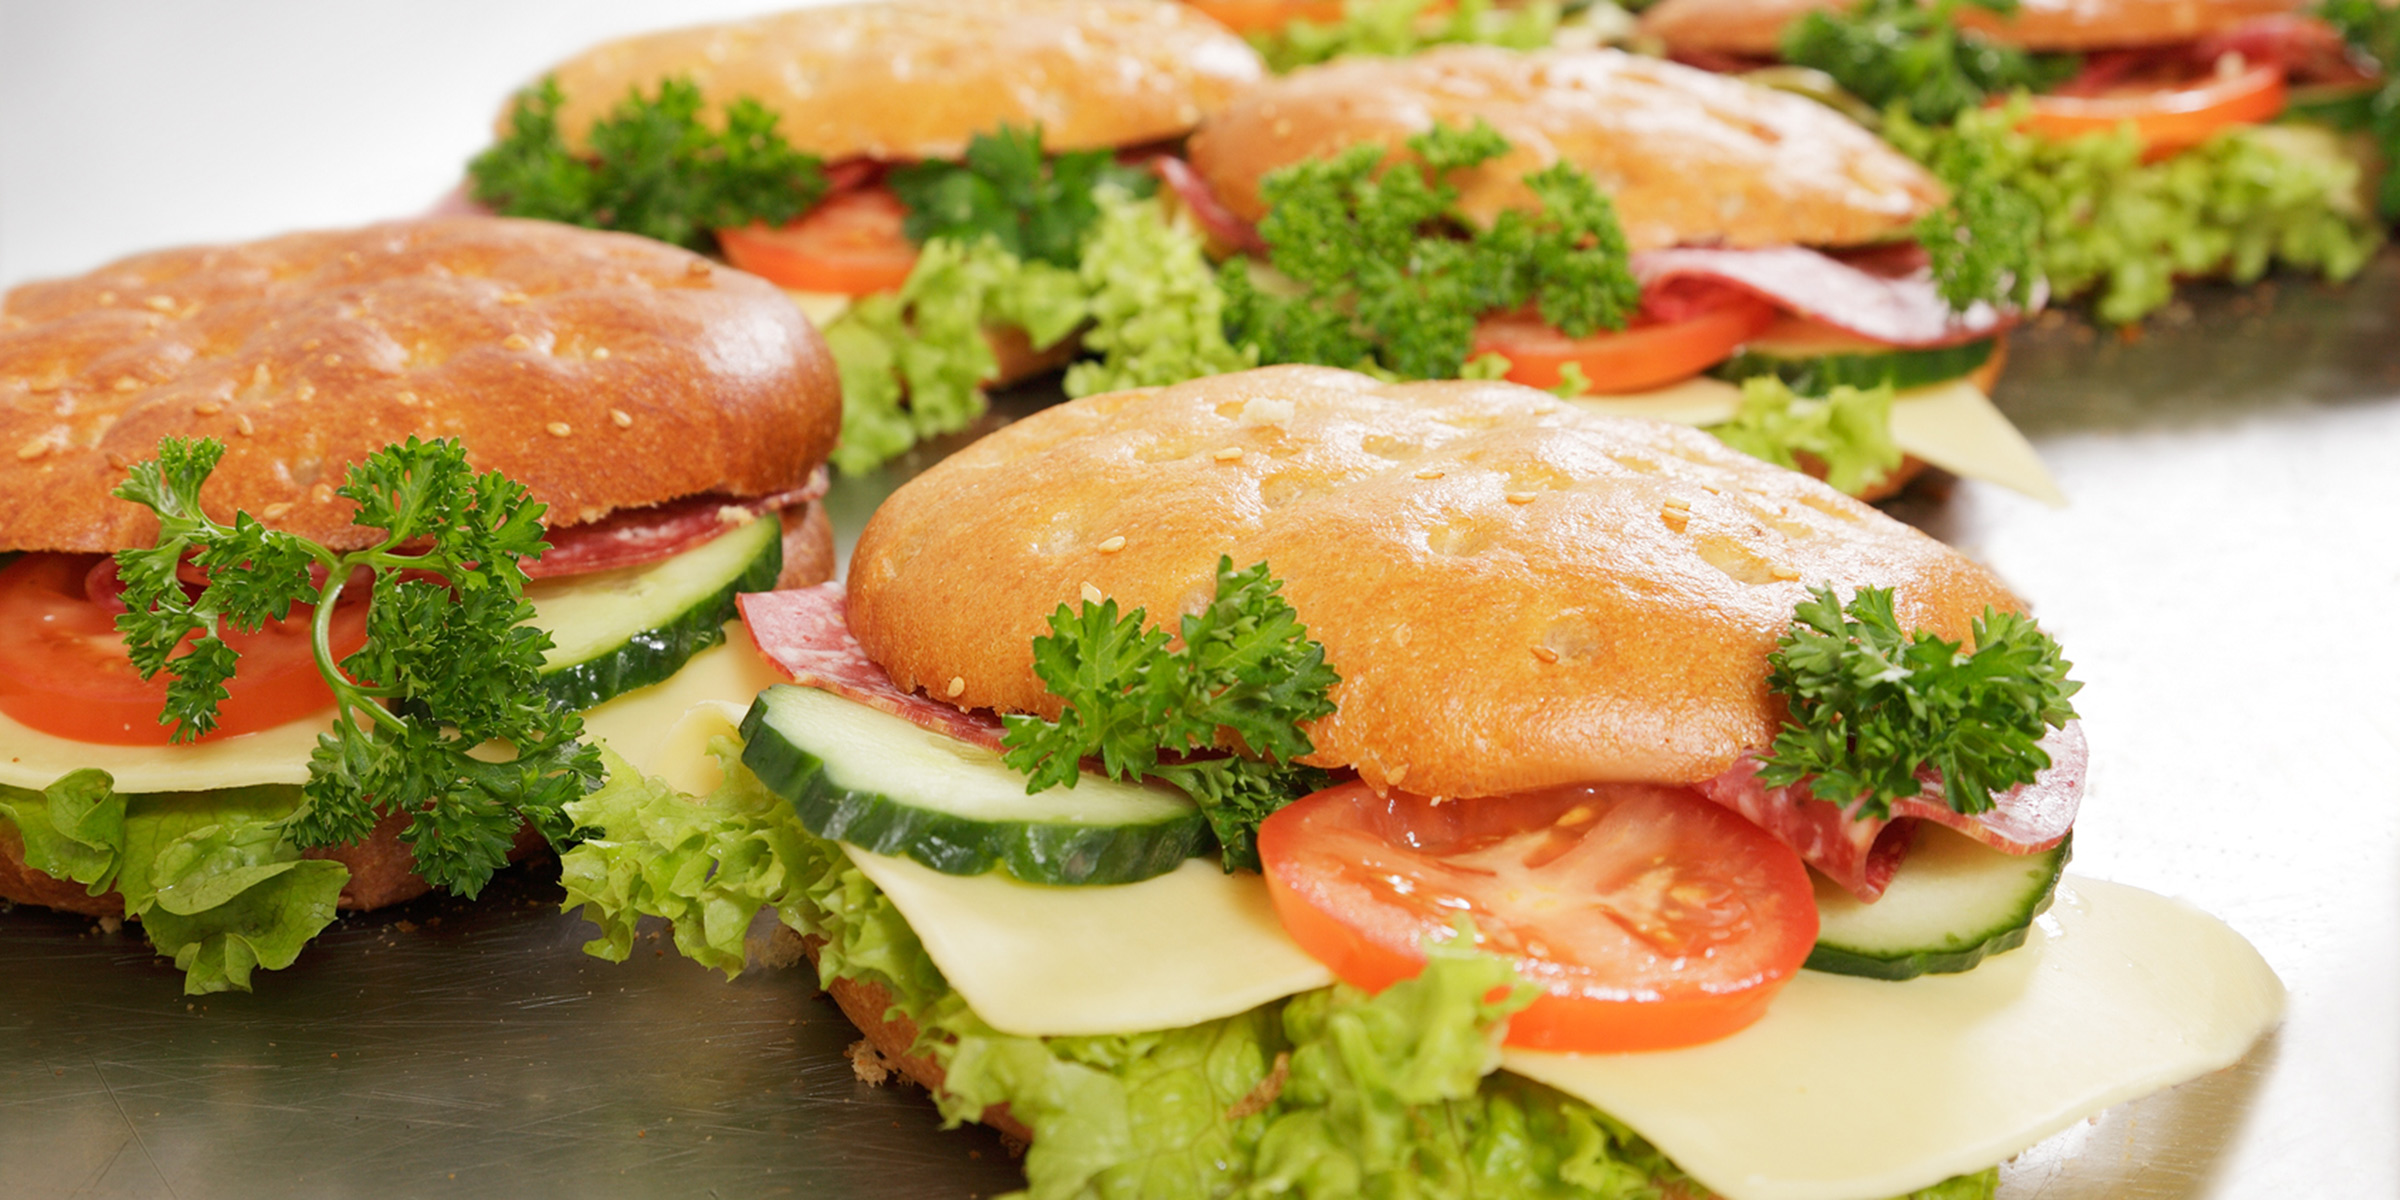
[2226, 579]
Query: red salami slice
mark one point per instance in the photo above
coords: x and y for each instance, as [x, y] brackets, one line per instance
[1861, 853]
[1215, 219]
[1902, 310]
[806, 632]
[642, 535]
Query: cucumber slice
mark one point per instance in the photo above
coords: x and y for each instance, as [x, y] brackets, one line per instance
[862, 776]
[1815, 369]
[614, 631]
[1954, 903]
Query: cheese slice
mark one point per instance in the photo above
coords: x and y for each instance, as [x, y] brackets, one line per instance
[1188, 946]
[635, 724]
[1853, 1088]
[1952, 425]
[819, 307]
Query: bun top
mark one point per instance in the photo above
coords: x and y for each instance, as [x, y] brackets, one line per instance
[601, 370]
[1515, 591]
[912, 79]
[1687, 156]
[1754, 27]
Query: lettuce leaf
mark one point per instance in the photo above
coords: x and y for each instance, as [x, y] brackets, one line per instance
[2125, 230]
[1398, 28]
[1158, 314]
[210, 875]
[1848, 432]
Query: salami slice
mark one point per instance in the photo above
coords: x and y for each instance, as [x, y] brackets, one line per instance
[1902, 310]
[806, 632]
[1862, 853]
[642, 535]
[1218, 221]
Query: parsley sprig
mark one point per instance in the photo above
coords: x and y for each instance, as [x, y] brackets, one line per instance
[653, 167]
[2372, 29]
[449, 663]
[1911, 52]
[1389, 278]
[1870, 704]
[1246, 671]
[1986, 243]
[1035, 206]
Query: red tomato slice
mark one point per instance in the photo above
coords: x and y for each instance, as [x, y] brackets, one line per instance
[63, 668]
[1650, 916]
[851, 244]
[1651, 353]
[2166, 119]
[1261, 16]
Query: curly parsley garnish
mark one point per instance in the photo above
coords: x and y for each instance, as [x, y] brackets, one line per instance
[449, 663]
[1912, 53]
[1871, 704]
[1389, 278]
[2372, 29]
[1246, 668]
[1036, 206]
[652, 167]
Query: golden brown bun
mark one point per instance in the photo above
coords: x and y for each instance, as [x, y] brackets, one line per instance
[1689, 157]
[1516, 592]
[1753, 27]
[603, 371]
[915, 79]
[869, 1006]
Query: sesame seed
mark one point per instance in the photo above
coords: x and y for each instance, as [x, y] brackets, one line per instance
[1396, 774]
[108, 297]
[599, 352]
[408, 399]
[734, 514]
[208, 408]
[33, 449]
[242, 422]
[306, 391]
[1431, 473]
[1091, 594]
[517, 341]
[1672, 502]
[322, 493]
[259, 377]
[278, 510]
[1545, 653]
[512, 297]
[127, 383]
[161, 303]
[1228, 454]
[1112, 545]
[623, 419]
[958, 684]
[696, 267]
[559, 428]
[333, 360]
[1401, 633]
[1783, 573]
[1520, 497]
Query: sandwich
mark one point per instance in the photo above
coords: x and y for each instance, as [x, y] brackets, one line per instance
[2144, 141]
[1296, 33]
[1694, 234]
[952, 189]
[1511, 727]
[423, 414]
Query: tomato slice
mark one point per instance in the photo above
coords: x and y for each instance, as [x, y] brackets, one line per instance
[1651, 353]
[2169, 118]
[1650, 916]
[1262, 16]
[64, 671]
[851, 244]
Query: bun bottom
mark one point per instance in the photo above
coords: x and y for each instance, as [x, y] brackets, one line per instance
[382, 870]
[869, 1006]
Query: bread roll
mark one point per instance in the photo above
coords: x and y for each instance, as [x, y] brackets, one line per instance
[913, 79]
[1754, 28]
[1687, 156]
[601, 370]
[1516, 592]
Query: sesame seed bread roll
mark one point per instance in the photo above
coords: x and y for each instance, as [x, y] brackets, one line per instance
[1516, 592]
[1687, 156]
[914, 79]
[1755, 27]
[601, 370]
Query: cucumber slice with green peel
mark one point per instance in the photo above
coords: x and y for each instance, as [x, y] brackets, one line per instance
[1813, 369]
[1954, 903]
[863, 776]
[614, 631]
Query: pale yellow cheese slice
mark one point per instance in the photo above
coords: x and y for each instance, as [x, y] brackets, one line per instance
[1952, 425]
[1853, 1088]
[819, 307]
[635, 725]
[1188, 946]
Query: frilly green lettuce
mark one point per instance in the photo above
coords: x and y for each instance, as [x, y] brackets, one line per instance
[1158, 314]
[211, 877]
[1848, 432]
[2126, 229]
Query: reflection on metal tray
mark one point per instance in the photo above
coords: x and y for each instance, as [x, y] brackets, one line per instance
[447, 1048]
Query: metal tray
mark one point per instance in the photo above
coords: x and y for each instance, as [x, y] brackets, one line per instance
[2225, 579]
